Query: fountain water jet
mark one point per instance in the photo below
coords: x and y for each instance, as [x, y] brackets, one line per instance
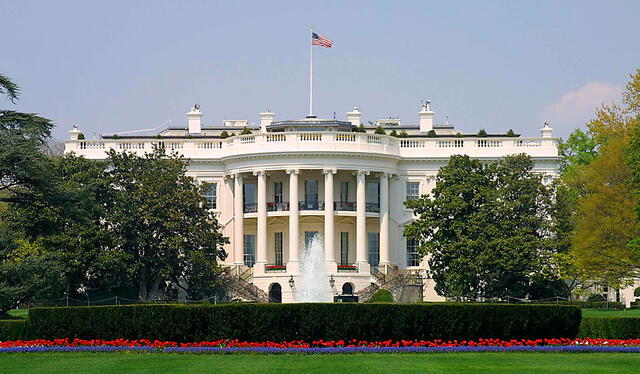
[314, 281]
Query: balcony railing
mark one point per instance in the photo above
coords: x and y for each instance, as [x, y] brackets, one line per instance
[344, 206]
[250, 208]
[311, 205]
[372, 207]
[277, 207]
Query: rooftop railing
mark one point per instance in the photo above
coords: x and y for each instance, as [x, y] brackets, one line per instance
[319, 141]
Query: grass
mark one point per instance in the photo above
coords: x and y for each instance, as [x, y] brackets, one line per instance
[106, 363]
[611, 313]
[20, 313]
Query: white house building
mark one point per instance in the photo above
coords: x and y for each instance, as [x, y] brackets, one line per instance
[276, 188]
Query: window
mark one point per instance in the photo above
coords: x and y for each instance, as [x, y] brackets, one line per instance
[308, 238]
[413, 256]
[249, 193]
[373, 193]
[211, 196]
[277, 193]
[374, 248]
[344, 248]
[249, 250]
[344, 191]
[413, 190]
[278, 249]
[311, 191]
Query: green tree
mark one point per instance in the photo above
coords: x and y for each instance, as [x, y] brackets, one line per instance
[485, 228]
[7, 87]
[606, 230]
[606, 220]
[165, 235]
[379, 130]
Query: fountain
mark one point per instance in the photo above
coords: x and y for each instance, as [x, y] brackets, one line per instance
[314, 280]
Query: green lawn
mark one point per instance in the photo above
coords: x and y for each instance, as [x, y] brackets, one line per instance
[611, 313]
[105, 363]
[21, 313]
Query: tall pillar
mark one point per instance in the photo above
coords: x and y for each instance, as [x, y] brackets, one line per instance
[261, 250]
[361, 223]
[293, 266]
[384, 219]
[329, 223]
[238, 221]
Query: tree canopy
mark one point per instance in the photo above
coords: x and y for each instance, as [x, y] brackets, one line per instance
[485, 228]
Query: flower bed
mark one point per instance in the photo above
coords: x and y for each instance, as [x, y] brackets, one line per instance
[348, 267]
[325, 346]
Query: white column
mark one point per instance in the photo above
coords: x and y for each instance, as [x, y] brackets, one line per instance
[261, 237]
[384, 219]
[361, 223]
[238, 221]
[329, 237]
[293, 265]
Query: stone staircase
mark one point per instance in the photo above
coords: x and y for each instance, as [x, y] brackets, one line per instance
[239, 288]
[405, 285]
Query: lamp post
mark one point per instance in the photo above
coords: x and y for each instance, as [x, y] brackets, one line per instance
[291, 282]
[332, 282]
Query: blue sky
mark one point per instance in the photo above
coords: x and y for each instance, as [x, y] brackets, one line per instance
[125, 65]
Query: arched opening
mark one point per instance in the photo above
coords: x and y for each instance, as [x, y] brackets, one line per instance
[347, 289]
[275, 293]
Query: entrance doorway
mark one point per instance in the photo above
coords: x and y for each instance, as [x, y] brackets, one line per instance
[275, 293]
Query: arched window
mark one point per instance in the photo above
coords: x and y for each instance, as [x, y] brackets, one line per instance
[275, 293]
[347, 289]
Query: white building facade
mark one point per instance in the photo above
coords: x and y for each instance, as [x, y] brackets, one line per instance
[283, 183]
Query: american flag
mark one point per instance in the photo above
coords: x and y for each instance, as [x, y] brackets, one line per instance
[317, 39]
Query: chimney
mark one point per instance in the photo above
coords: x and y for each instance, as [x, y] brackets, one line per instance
[546, 131]
[266, 118]
[195, 120]
[354, 116]
[426, 117]
[75, 133]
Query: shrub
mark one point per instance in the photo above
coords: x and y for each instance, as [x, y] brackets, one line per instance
[280, 322]
[245, 131]
[394, 133]
[360, 128]
[482, 133]
[510, 133]
[459, 135]
[15, 329]
[382, 296]
[636, 292]
[610, 327]
[431, 134]
[596, 297]
[403, 134]
[379, 130]
[224, 134]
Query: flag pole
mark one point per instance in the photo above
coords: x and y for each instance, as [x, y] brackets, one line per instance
[311, 76]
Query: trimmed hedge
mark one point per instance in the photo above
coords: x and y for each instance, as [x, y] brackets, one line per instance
[382, 296]
[610, 327]
[15, 329]
[279, 322]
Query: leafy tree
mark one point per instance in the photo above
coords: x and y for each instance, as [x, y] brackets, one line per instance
[605, 240]
[394, 133]
[403, 134]
[379, 130]
[360, 128]
[606, 220]
[7, 87]
[510, 133]
[164, 233]
[245, 131]
[486, 229]
[224, 134]
[482, 133]
[431, 134]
